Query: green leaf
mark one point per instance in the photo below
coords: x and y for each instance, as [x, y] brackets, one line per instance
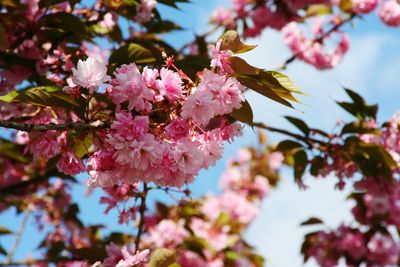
[2, 250]
[4, 231]
[3, 42]
[162, 257]
[161, 26]
[172, 3]
[243, 114]
[69, 23]
[48, 96]
[196, 244]
[256, 259]
[312, 221]
[358, 108]
[301, 125]
[91, 254]
[13, 151]
[271, 84]
[230, 40]
[288, 145]
[48, 3]
[131, 53]
[300, 164]
[82, 146]
[316, 165]
[223, 219]
[318, 10]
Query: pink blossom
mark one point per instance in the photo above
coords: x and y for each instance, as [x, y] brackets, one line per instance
[133, 259]
[229, 97]
[223, 16]
[177, 129]
[109, 20]
[144, 11]
[129, 128]
[389, 13]
[216, 237]
[70, 164]
[128, 85]
[198, 106]
[275, 160]
[364, 6]
[150, 77]
[383, 250]
[90, 73]
[167, 233]
[220, 59]
[170, 85]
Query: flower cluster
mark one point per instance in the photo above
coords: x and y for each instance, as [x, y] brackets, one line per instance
[166, 128]
[212, 224]
[287, 16]
[312, 52]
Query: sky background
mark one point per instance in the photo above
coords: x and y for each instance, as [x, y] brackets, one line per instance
[371, 67]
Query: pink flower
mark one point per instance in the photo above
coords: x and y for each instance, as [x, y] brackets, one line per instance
[167, 233]
[109, 21]
[198, 106]
[177, 129]
[133, 259]
[130, 128]
[128, 85]
[170, 85]
[150, 77]
[383, 250]
[90, 73]
[223, 16]
[275, 160]
[144, 11]
[389, 13]
[220, 59]
[229, 97]
[70, 164]
[364, 6]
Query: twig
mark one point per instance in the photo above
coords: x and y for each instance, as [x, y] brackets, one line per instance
[79, 126]
[142, 210]
[21, 230]
[36, 261]
[308, 140]
[317, 40]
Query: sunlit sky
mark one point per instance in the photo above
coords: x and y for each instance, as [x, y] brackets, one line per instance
[371, 67]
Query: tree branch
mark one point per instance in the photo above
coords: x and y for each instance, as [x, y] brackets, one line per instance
[309, 141]
[79, 126]
[317, 40]
[142, 210]
[21, 230]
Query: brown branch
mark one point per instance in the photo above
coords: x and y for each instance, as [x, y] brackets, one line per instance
[317, 40]
[36, 261]
[79, 126]
[142, 210]
[308, 140]
[21, 230]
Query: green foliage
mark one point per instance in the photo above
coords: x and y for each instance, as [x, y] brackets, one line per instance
[312, 221]
[243, 114]
[163, 257]
[230, 40]
[46, 96]
[130, 53]
[358, 108]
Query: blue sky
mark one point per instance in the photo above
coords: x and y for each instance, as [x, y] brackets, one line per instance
[371, 67]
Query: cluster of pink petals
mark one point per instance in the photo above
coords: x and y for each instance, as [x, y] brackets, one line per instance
[312, 52]
[190, 137]
[144, 11]
[364, 6]
[389, 12]
[373, 249]
[125, 256]
[90, 73]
